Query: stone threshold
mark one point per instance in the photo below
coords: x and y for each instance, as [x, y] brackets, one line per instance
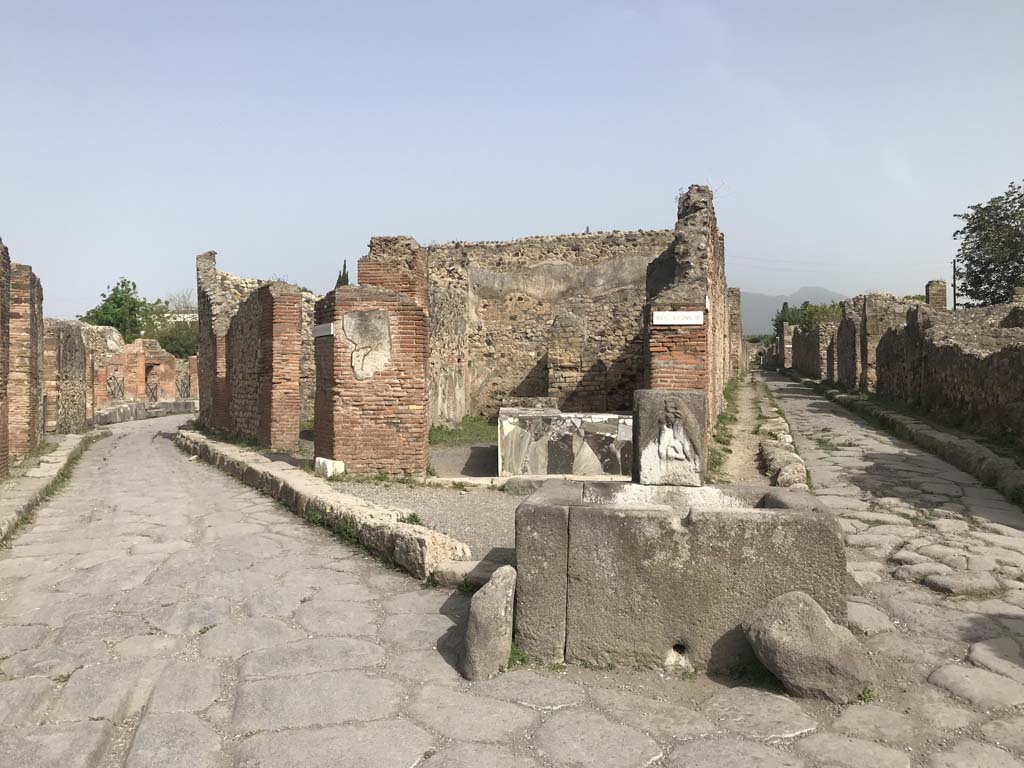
[20, 495]
[999, 472]
[521, 485]
[416, 549]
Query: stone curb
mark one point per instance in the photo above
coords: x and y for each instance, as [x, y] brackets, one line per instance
[140, 411]
[379, 529]
[999, 472]
[776, 453]
[21, 495]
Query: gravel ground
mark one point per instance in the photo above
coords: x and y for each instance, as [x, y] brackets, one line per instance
[482, 518]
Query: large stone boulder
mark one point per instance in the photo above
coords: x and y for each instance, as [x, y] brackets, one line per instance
[810, 654]
[489, 631]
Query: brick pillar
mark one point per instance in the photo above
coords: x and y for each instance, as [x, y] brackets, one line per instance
[25, 361]
[280, 340]
[935, 294]
[371, 395]
[193, 377]
[5, 319]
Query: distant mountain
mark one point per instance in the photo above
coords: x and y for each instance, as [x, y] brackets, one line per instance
[758, 309]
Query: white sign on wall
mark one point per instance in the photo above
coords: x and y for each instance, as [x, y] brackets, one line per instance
[327, 329]
[695, 317]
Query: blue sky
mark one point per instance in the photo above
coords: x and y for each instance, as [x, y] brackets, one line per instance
[840, 138]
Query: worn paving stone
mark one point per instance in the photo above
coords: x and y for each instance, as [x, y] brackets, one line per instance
[147, 646]
[844, 752]
[758, 714]
[22, 700]
[308, 656]
[877, 723]
[425, 666]
[475, 756]
[867, 619]
[21, 638]
[78, 745]
[731, 753]
[113, 692]
[532, 689]
[972, 754]
[381, 744]
[442, 710]
[326, 699]
[1007, 733]
[338, 618]
[583, 739]
[174, 741]
[55, 661]
[234, 639]
[664, 720]
[426, 631]
[185, 687]
[191, 617]
[978, 686]
[1003, 655]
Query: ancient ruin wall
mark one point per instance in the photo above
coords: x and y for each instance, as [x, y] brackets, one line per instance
[963, 368]
[67, 377]
[811, 350]
[498, 308]
[935, 293]
[5, 319]
[690, 277]
[739, 356]
[251, 342]
[25, 371]
[848, 344]
[882, 313]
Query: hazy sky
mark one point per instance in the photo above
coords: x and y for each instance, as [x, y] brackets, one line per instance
[839, 137]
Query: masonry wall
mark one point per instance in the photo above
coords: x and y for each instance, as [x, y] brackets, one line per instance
[24, 382]
[848, 343]
[739, 355]
[67, 377]
[5, 319]
[497, 310]
[964, 368]
[690, 276]
[371, 398]
[251, 355]
[812, 350]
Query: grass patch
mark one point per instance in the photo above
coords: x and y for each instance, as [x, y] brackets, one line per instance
[517, 657]
[474, 430]
[724, 431]
[412, 519]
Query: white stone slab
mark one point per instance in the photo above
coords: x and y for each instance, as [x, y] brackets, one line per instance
[679, 318]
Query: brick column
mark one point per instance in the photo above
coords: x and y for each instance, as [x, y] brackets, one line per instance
[280, 339]
[25, 361]
[371, 395]
[193, 377]
[935, 294]
[787, 345]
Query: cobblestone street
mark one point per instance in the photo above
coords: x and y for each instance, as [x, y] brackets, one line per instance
[158, 613]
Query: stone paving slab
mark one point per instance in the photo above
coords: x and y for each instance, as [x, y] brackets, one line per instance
[258, 640]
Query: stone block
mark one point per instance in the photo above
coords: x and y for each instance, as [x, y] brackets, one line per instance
[489, 630]
[669, 441]
[643, 577]
[542, 548]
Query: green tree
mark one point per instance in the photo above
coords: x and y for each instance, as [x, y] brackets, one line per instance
[342, 276]
[814, 315]
[180, 338]
[121, 307]
[990, 261]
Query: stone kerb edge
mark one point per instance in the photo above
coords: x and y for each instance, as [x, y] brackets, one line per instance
[10, 517]
[415, 548]
[999, 472]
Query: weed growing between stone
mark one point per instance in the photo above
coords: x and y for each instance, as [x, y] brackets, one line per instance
[723, 434]
[517, 657]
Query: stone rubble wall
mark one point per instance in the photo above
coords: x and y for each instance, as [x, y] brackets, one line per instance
[67, 377]
[498, 308]
[848, 346]
[739, 350]
[371, 401]
[25, 380]
[255, 341]
[814, 351]
[5, 323]
[963, 368]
